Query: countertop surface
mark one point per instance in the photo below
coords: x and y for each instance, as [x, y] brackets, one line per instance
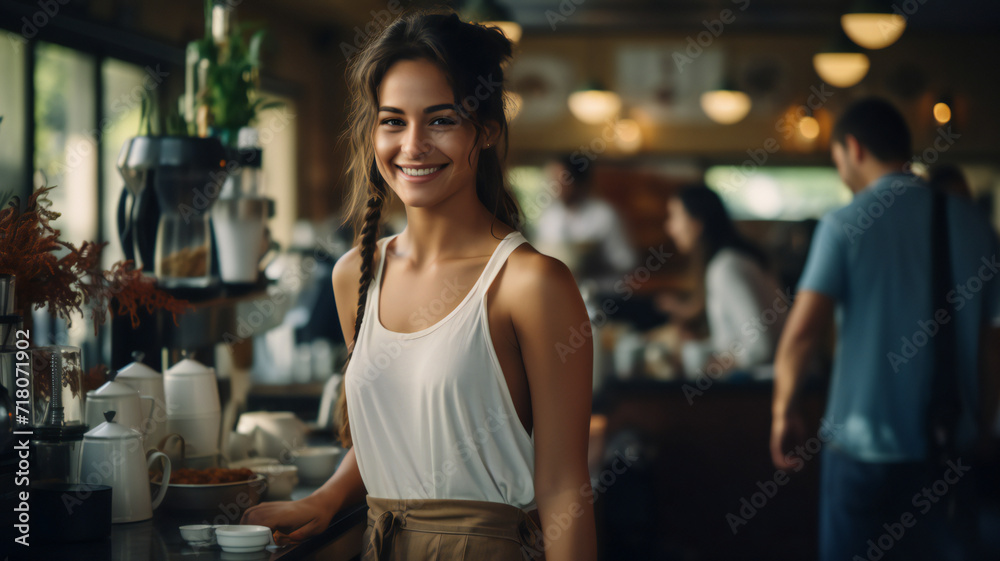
[159, 539]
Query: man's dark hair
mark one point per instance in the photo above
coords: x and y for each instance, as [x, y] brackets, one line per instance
[878, 126]
[578, 168]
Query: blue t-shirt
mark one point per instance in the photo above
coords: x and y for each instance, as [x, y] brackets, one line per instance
[873, 258]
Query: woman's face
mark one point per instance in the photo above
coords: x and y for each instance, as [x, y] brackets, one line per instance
[422, 146]
[683, 228]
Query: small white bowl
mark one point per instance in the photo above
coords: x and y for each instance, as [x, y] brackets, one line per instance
[197, 533]
[243, 538]
[316, 463]
[281, 480]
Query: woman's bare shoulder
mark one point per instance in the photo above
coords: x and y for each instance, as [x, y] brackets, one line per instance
[530, 274]
[347, 270]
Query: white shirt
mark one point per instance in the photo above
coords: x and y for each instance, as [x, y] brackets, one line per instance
[592, 221]
[431, 415]
[745, 309]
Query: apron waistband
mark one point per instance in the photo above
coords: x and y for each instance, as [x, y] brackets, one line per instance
[448, 516]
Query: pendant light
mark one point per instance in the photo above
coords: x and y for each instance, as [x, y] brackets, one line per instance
[727, 105]
[842, 64]
[594, 104]
[872, 24]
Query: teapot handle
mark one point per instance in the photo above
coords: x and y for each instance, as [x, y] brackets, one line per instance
[162, 445]
[153, 456]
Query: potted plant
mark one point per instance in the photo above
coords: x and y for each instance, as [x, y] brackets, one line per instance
[222, 76]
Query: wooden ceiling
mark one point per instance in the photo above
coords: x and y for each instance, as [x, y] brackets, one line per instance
[618, 16]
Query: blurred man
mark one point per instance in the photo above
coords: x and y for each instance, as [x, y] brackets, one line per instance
[883, 492]
[581, 230]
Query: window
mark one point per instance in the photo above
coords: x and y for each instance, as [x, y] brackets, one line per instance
[12, 108]
[124, 85]
[65, 144]
[76, 108]
[778, 193]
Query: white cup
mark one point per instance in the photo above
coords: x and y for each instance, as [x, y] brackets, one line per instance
[200, 432]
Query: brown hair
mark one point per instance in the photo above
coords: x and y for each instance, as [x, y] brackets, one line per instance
[472, 56]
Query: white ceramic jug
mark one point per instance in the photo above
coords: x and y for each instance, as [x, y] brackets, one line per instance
[113, 455]
[193, 409]
[149, 384]
[119, 397]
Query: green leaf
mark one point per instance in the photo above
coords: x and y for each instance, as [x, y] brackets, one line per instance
[253, 54]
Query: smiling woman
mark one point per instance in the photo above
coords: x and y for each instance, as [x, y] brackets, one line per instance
[463, 416]
[421, 137]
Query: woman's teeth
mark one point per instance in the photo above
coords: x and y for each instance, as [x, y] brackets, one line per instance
[418, 172]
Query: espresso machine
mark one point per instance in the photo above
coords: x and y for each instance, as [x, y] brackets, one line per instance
[171, 183]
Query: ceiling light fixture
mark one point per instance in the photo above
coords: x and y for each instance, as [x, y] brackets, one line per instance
[726, 105]
[842, 64]
[872, 24]
[593, 104]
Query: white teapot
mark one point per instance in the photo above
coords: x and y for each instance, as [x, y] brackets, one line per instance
[120, 397]
[193, 407]
[113, 455]
[149, 384]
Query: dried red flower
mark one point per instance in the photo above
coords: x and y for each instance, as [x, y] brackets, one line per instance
[57, 274]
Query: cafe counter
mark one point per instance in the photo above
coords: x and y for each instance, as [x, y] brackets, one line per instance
[160, 540]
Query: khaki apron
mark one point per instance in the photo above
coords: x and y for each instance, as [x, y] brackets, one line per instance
[452, 530]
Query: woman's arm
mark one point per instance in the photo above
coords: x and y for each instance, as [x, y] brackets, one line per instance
[548, 310]
[311, 515]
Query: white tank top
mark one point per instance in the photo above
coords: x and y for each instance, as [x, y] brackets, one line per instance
[431, 415]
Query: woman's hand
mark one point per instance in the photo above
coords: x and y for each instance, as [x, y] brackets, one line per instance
[294, 521]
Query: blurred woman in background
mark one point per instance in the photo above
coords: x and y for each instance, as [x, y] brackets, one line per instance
[743, 305]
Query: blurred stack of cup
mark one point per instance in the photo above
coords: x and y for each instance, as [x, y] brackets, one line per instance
[239, 216]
